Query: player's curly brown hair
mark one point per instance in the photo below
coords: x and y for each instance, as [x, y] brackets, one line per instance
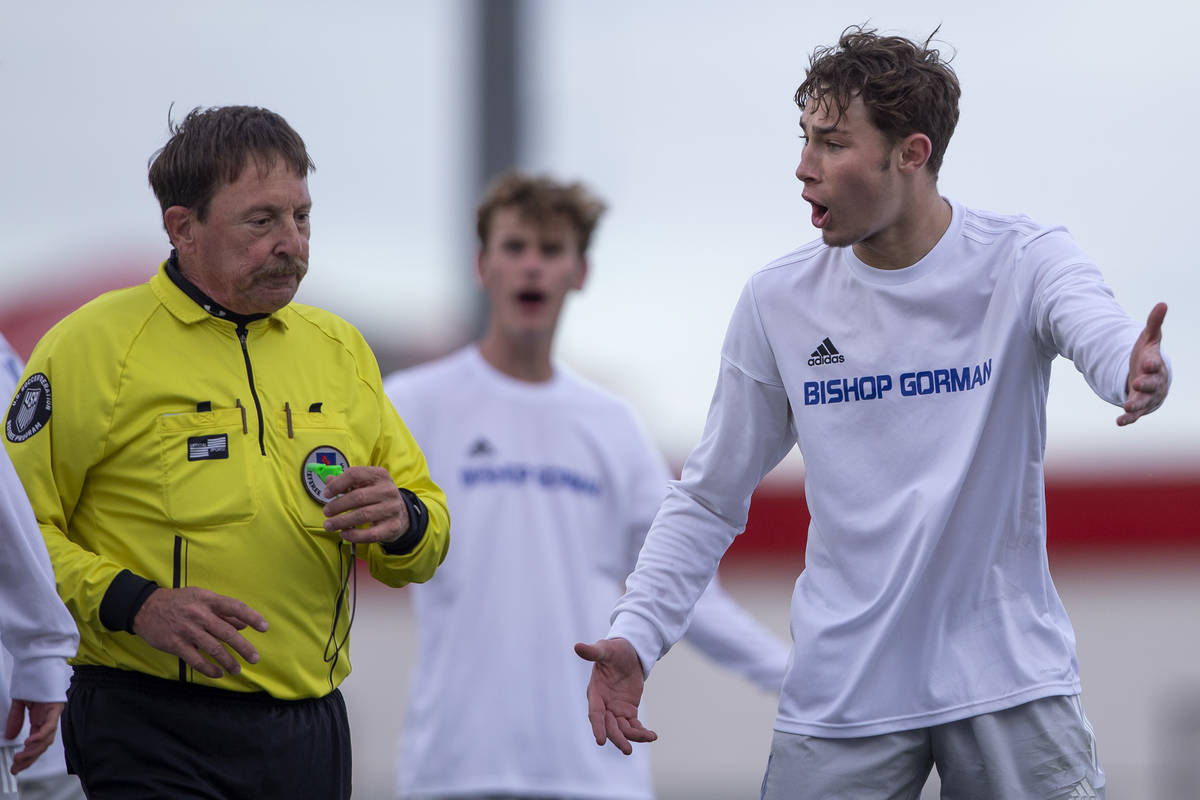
[540, 199]
[212, 146]
[906, 87]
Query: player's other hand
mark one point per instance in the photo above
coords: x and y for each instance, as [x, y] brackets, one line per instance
[614, 692]
[193, 623]
[43, 721]
[1146, 386]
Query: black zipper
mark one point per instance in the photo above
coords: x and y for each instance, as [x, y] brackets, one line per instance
[177, 582]
[242, 333]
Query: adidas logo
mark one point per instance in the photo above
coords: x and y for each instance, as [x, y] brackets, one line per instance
[825, 353]
[482, 447]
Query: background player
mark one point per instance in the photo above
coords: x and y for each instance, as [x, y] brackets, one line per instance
[553, 484]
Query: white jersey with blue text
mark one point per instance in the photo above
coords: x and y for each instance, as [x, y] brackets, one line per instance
[917, 397]
[551, 488]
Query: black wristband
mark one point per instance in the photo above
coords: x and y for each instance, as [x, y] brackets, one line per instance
[123, 599]
[418, 521]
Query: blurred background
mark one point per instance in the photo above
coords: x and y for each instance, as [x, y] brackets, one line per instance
[680, 114]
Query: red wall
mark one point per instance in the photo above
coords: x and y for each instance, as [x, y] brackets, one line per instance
[1083, 515]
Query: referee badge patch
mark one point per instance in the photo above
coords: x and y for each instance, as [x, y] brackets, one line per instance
[321, 464]
[30, 409]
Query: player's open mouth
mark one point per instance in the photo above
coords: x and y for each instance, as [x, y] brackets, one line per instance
[531, 299]
[820, 215]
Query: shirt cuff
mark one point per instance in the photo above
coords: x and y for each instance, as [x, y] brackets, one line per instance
[124, 599]
[41, 680]
[418, 521]
[646, 641]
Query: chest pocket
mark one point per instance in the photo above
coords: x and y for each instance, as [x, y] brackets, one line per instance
[205, 475]
[301, 433]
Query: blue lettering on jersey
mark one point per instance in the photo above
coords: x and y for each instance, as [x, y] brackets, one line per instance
[846, 390]
[911, 384]
[548, 477]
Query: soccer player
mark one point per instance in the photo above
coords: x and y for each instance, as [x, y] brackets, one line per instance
[907, 353]
[46, 778]
[178, 441]
[553, 484]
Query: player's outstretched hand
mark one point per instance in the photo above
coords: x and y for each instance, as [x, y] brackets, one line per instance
[194, 622]
[1146, 386]
[367, 497]
[43, 721]
[614, 692]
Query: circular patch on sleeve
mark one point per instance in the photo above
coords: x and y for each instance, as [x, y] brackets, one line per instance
[321, 464]
[30, 409]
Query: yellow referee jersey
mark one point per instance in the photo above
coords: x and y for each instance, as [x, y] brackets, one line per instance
[156, 437]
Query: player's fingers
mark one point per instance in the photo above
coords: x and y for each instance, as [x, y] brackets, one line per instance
[1148, 394]
[613, 729]
[43, 725]
[1151, 362]
[588, 652]
[596, 710]
[596, 720]
[30, 753]
[1155, 320]
[16, 718]
[1150, 384]
[37, 742]
[635, 731]
[1135, 402]
[1133, 416]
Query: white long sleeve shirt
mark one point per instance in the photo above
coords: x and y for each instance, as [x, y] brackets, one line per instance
[551, 488]
[36, 629]
[918, 400]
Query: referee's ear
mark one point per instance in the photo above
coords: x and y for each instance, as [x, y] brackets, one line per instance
[179, 221]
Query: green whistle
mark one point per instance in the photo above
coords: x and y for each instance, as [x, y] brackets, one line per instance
[324, 471]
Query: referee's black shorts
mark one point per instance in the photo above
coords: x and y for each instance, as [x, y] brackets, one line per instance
[130, 736]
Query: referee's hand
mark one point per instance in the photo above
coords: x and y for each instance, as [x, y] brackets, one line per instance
[614, 692]
[192, 623]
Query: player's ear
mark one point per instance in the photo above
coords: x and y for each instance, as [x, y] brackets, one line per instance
[581, 273]
[914, 151]
[180, 223]
[480, 268]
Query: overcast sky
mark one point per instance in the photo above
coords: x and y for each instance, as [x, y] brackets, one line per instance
[678, 112]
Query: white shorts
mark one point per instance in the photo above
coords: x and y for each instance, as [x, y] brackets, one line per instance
[8, 781]
[1044, 749]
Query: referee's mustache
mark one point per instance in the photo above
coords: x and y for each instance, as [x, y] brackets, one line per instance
[285, 267]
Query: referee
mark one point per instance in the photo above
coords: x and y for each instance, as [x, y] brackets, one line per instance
[206, 459]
